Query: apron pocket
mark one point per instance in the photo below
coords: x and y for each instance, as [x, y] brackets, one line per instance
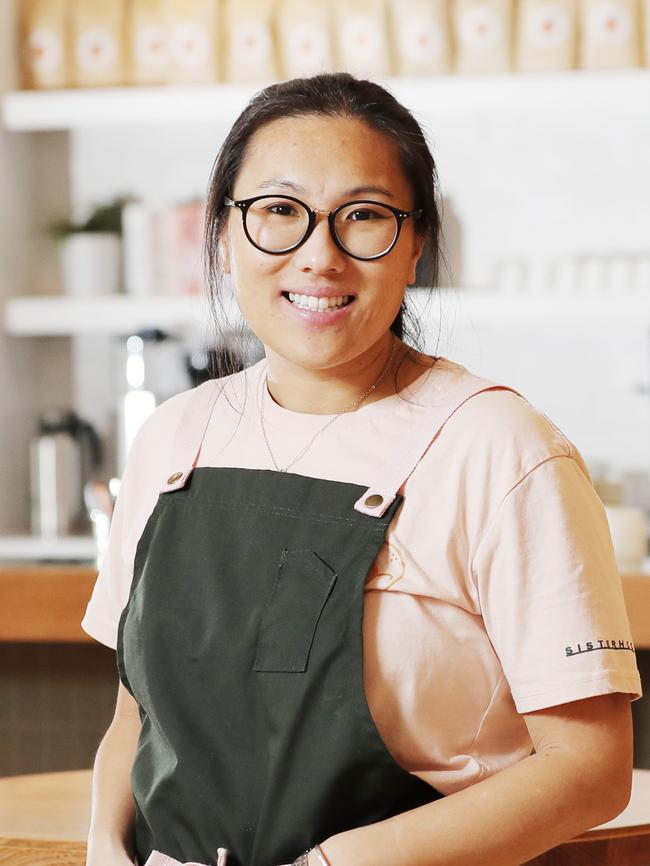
[289, 621]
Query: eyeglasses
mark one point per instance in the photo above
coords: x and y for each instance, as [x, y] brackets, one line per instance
[280, 224]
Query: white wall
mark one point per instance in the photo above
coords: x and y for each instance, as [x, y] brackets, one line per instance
[586, 376]
[546, 185]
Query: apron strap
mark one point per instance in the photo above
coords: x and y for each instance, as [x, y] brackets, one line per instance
[426, 423]
[188, 437]
[408, 450]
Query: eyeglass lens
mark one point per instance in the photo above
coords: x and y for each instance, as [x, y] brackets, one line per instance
[364, 229]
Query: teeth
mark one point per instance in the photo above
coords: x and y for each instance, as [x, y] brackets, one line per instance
[310, 302]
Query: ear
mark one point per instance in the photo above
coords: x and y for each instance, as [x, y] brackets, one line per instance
[418, 247]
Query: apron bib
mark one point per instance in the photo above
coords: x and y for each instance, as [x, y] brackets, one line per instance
[242, 643]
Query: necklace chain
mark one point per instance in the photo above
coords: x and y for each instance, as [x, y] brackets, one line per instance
[349, 408]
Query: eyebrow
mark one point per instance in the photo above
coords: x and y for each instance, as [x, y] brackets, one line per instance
[355, 190]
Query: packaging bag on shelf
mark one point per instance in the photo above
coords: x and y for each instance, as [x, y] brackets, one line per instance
[304, 37]
[193, 32]
[482, 31]
[645, 15]
[610, 34]
[44, 57]
[361, 37]
[138, 253]
[250, 49]
[97, 36]
[178, 236]
[546, 35]
[91, 263]
[420, 31]
[148, 43]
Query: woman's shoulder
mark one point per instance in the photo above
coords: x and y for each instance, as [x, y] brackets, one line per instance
[493, 419]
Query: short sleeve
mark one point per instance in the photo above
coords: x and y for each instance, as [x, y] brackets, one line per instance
[137, 497]
[550, 592]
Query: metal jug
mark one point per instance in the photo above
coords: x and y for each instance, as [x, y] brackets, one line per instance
[64, 453]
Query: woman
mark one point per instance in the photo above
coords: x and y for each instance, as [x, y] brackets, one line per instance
[364, 602]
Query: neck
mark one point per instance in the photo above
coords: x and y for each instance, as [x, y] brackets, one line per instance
[327, 391]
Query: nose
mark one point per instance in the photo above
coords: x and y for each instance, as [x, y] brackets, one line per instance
[319, 253]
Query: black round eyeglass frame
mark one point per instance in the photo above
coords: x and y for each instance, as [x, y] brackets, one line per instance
[244, 204]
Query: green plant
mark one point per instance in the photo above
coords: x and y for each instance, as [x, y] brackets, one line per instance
[103, 218]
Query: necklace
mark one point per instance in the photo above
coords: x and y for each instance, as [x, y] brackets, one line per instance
[349, 408]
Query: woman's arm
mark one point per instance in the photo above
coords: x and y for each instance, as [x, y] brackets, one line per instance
[580, 776]
[110, 838]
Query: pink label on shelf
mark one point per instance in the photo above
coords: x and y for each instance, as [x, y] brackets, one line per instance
[307, 44]
[481, 27]
[150, 46]
[251, 42]
[548, 25]
[362, 38]
[610, 23]
[420, 39]
[189, 45]
[44, 50]
[96, 49]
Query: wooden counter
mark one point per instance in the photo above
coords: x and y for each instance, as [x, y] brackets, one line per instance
[44, 821]
[47, 603]
[44, 603]
[636, 588]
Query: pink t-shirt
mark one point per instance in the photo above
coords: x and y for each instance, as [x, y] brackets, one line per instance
[496, 592]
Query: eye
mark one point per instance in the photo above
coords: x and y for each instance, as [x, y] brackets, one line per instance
[359, 214]
[282, 209]
[367, 213]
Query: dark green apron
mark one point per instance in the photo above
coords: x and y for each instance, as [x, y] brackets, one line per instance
[242, 644]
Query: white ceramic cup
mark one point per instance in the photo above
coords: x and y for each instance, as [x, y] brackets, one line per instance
[91, 263]
[629, 530]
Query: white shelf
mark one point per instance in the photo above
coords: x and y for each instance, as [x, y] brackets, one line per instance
[120, 315]
[618, 92]
[72, 548]
[33, 316]
[36, 110]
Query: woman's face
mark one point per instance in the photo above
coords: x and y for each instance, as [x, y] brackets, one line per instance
[324, 162]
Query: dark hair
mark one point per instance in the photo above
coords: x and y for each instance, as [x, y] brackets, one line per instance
[328, 95]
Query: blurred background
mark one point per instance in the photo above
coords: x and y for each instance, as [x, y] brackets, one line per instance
[538, 115]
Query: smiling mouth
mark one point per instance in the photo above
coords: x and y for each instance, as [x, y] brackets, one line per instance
[321, 305]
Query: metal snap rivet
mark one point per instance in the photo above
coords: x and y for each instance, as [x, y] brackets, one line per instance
[373, 500]
[174, 477]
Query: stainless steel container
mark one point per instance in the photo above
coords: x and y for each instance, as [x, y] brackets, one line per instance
[62, 454]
